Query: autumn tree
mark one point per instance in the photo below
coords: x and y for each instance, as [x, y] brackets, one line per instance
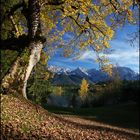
[57, 90]
[30, 25]
[83, 92]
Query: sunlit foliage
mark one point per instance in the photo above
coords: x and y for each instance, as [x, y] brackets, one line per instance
[57, 91]
[83, 92]
[90, 23]
[87, 24]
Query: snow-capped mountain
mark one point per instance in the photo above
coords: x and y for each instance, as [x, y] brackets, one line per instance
[97, 75]
[124, 73]
[58, 70]
[79, 71]
[66, 76]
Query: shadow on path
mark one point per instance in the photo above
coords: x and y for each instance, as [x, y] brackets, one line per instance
[79, 122]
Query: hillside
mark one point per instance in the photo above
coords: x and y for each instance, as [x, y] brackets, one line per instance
[21, 119]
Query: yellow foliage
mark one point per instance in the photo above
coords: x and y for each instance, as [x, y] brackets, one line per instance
[57, 91]
[83, 92]
[108, 69]
[99, 31]
[106, 44]
[44, 58]
[86, 19]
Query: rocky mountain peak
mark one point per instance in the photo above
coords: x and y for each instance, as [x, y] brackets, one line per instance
[68, 76]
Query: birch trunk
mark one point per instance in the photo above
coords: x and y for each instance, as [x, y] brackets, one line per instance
[16, 79]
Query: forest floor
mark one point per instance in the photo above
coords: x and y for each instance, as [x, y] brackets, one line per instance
[22, 120]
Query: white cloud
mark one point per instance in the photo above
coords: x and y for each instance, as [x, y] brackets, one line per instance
[124, 57]
[124, 54]
[88, 55]
[127, 57]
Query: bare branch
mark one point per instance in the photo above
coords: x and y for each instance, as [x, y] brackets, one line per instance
[76, 22]
[14, 43]
[113, 5]
[74, 39]
[15, 26]
[87, 20]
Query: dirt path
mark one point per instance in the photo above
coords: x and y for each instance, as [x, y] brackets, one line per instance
[92, 130]
[85, 120]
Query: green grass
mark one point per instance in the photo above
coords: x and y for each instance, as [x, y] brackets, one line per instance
[124, 115]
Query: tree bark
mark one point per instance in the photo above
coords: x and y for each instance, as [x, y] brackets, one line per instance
[16, 79]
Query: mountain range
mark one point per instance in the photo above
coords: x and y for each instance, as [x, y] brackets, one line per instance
[66, 76]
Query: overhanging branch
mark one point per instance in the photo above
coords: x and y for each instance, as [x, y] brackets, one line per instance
[87, 20]
[15, 26]
[76, 22]
[17, 44]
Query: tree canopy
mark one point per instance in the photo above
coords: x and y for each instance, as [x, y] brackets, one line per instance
[90, 23]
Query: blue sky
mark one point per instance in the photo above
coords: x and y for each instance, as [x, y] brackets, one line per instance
[123, 53]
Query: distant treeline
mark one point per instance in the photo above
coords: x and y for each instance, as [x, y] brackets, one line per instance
[101, 94]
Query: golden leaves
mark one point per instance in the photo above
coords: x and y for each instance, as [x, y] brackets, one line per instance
[106, 44]
[83, 92]
[107, 69]
[57, 91]
[130, 16]
[97, 48]
[44, 58]
[89, 18]
[47, 22]
[67, 52]
[109, 33]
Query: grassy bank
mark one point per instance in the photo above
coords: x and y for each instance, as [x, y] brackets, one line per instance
[123, 115]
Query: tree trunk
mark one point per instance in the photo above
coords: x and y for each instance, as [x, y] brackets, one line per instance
[16, 79]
